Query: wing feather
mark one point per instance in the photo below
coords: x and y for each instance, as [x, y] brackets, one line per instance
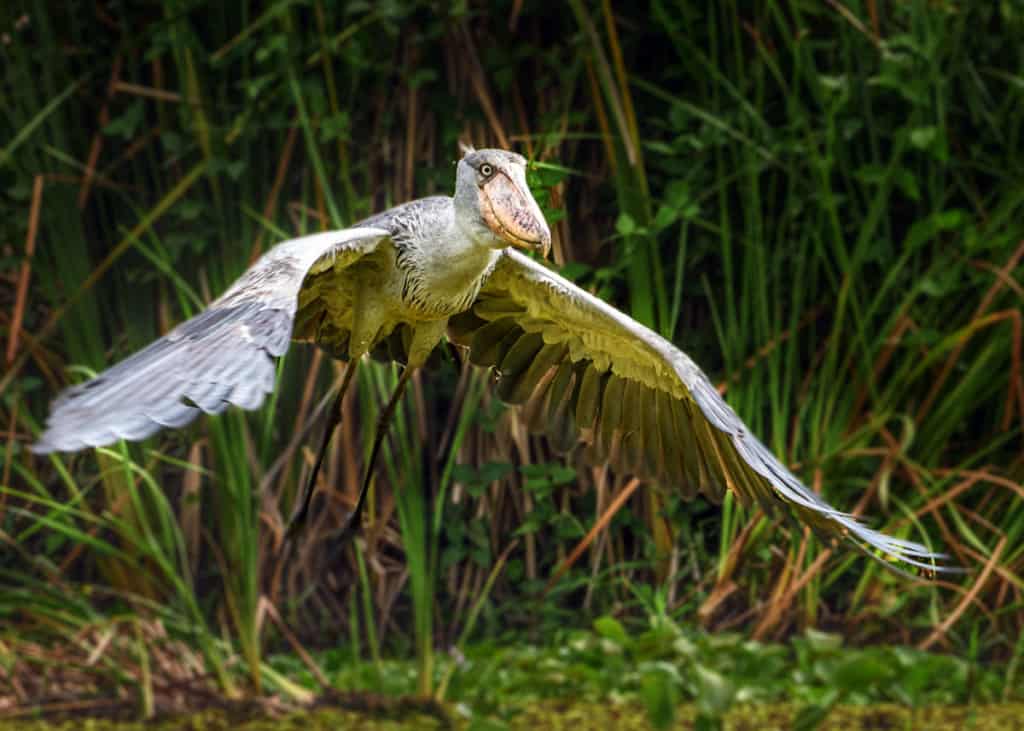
[640, 402]
[223, 356]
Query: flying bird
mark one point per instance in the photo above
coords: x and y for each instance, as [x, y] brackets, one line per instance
[454, 267]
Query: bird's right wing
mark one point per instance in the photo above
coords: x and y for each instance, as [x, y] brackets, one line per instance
[224, 355]
[588, 372]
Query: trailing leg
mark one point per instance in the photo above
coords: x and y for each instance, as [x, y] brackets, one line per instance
[383, 422]
[298, 519]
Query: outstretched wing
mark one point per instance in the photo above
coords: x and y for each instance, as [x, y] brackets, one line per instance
[587, 372]
[224, 355]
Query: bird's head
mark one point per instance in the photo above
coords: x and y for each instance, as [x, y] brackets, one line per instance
[493, 200]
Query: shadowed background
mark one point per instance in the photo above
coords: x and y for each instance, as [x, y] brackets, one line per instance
[819, 202]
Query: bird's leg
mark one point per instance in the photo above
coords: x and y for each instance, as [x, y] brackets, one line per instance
[298, 518]
[383, 421]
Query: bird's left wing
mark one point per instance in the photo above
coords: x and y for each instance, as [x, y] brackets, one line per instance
[588, 372]
[222, 356]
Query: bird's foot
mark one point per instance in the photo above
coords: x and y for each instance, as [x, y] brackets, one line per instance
[348, 530]
[295, 525]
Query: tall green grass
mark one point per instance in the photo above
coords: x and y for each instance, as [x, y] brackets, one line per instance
[821, 207]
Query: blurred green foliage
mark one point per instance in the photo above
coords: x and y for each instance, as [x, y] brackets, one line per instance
[820, 202]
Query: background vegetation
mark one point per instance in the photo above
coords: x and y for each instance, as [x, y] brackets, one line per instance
[821, 202]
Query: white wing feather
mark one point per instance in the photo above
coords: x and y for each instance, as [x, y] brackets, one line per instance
[222, 356]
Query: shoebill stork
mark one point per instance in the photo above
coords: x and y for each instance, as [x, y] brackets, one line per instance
[452, 266]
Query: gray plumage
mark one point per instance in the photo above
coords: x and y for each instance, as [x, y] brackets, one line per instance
[586, 373]
[222, 356]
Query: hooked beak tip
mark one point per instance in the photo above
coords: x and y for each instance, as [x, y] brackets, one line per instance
[543, 247]
[539, 245]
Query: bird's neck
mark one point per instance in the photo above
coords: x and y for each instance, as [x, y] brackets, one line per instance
[446, 258]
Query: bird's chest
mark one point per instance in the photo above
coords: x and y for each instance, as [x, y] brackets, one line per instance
[437, 287]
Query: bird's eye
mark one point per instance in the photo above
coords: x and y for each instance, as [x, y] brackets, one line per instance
[486, 170]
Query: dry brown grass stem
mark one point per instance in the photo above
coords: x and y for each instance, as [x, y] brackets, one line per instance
[26, 269]
[951, 618]
[96, 147]
[979, 322]
[270, 205]
[602, 523]
[853, 20]
[149, 92]
[631, 128]
[268, 607]
[478, 80]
